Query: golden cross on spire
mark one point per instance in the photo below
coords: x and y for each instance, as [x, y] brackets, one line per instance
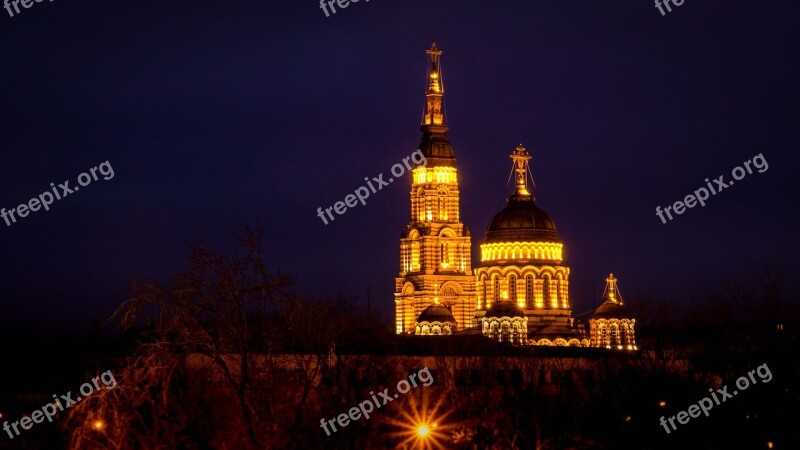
[611, 286]
[520, 156]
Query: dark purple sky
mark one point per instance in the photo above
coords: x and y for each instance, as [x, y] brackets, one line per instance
[215, 114]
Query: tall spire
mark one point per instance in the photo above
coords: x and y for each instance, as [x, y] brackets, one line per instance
[520, 156]
[434, 143]
[434, 114]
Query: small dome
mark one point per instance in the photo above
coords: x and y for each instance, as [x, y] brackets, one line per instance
[436, 147]
[612, 310]
[504, 309]
[436, 313]
[522, 221]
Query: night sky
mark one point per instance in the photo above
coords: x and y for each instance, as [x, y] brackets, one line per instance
[215, 115]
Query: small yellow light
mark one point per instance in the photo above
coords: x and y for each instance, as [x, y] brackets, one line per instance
[662, 403]
[627, 418]
[98, 425]
[422, 430]
[769, 444]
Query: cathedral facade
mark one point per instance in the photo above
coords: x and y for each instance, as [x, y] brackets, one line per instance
[520, 292]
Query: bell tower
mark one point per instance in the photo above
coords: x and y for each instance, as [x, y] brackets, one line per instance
[435, 246]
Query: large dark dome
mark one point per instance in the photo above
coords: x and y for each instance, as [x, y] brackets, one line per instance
[522, 221]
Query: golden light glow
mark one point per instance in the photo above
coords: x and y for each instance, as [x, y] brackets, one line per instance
[424, 175]
[769, 444]
[98, 425]
[662, 403]
[421, 426]
[522, 250]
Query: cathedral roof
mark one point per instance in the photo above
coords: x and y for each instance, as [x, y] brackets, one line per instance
[522, 221]
[436, 313]
[505, 308]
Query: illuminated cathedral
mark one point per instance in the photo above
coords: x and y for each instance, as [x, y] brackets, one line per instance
[520, 292]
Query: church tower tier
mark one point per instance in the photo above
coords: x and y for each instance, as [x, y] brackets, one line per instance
[435, 247]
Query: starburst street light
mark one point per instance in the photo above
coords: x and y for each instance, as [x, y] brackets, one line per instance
[421, 425]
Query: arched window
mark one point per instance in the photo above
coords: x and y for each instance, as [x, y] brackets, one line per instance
[442, 194]
[485, 298]
[421, 206]
[415, 255]
[445, 255]
[546, 289]
[529, 291]
[512, 288]
[614, 334]
[496, 288]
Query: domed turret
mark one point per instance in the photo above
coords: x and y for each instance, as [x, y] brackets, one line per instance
[521, 274]
[611, 325]
[436, 319]
[505, 322]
